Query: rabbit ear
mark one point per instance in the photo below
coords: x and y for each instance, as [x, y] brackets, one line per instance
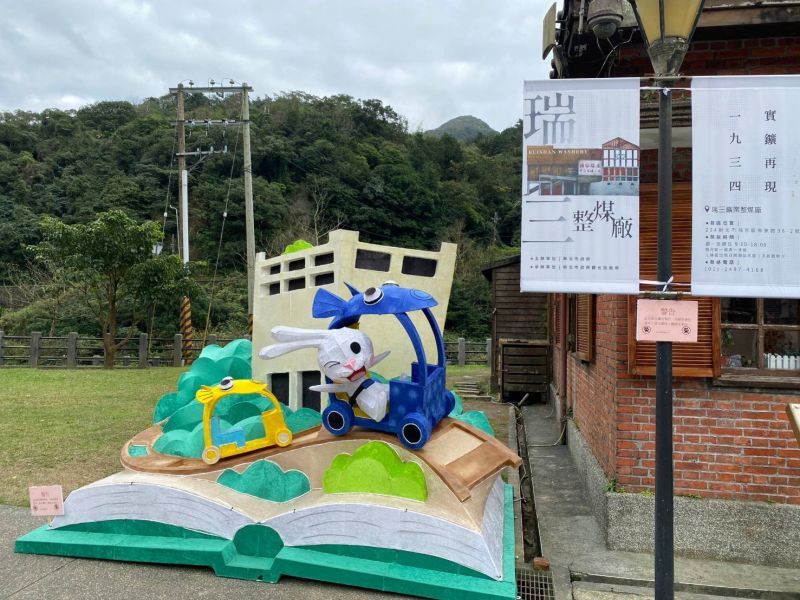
[286, 347]
[376, 359]
[295, 334]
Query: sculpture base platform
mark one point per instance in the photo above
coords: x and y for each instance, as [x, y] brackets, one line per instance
[257, 553]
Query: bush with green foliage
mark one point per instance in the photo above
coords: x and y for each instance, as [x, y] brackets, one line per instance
[181, 416]
[375, 468]
[317, 163]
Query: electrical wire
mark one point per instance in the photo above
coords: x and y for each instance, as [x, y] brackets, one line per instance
[610, 52]
[556, 443]
[169, 183]
[221, 234]
[519, 415]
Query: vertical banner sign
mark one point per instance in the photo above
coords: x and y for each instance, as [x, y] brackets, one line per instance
[580, 186]
[746, 186]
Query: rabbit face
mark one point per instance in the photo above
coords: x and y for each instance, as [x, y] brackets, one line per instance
[343, 354]
[346, 356]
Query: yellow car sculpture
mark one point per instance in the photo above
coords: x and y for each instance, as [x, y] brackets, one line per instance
[222, 444]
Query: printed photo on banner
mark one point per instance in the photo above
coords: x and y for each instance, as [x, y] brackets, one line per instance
[580, 186]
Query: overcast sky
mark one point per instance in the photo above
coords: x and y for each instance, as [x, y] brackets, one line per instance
[429, 59]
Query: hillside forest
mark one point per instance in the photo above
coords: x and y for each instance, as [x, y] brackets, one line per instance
[318, 164]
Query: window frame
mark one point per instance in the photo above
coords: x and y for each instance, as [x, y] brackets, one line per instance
[760, 327]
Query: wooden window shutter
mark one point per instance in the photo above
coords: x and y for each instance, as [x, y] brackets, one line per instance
[702, 359]
[584, 327]
[555, 335]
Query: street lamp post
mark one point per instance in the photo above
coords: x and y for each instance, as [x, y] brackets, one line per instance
[666, 27]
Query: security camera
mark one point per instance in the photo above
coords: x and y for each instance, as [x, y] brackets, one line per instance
[604, 17]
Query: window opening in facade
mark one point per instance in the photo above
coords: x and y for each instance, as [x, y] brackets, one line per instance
[274, 269]
[279, 385]
[323, 259]
[373, 261]
[310, 398]
[760, 333]
[422, 267]
[296, 284]
[298, 264]
[274, 288]
[323, 279]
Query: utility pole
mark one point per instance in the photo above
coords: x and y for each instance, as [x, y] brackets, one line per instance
[183, 228]
[248, 208]
[183, 193]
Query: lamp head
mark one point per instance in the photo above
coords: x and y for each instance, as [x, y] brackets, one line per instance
[667, 26]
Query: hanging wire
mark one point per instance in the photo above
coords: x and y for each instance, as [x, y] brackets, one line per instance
[169, 183]
[221, 233]
[610, 52]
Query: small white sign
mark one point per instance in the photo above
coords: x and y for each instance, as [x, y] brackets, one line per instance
[666, 320]
[590, 168]
[46, 500]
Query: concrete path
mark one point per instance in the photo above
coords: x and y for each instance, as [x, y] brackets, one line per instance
[571, 540]
[28, 576]
[574, 543]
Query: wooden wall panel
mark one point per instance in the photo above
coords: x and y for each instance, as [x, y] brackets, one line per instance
[584, 327]
[689, 360]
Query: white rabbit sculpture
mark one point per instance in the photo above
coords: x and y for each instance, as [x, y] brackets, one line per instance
[344, 355]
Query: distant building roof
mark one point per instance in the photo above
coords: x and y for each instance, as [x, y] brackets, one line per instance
[487, 270]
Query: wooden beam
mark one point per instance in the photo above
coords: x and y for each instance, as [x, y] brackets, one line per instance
[728, 16]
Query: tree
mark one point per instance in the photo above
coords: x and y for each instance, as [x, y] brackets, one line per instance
[317, 163]
[110, 262]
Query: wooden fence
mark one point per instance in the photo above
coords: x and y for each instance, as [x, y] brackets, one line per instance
[467, 352]
[73, 351]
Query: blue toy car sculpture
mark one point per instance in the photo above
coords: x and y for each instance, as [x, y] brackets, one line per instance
[416, 404]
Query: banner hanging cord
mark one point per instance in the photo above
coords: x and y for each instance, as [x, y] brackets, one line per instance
[663, 284]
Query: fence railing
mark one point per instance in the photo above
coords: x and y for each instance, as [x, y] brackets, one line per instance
[73, 351]
[468, 352]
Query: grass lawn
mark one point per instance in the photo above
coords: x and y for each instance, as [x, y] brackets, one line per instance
[477, 373]
[67, 426]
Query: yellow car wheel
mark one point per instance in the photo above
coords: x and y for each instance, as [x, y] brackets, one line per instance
[211, 455]
[283, 437]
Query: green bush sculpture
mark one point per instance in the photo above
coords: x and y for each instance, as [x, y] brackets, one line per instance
[182, 417]
[476, 418]
[375, 468]
[266, 480]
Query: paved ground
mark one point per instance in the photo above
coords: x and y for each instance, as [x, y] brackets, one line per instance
[27, 576]
[574, 544]
[571, 540]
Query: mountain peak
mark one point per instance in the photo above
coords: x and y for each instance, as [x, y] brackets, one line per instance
[465, 128]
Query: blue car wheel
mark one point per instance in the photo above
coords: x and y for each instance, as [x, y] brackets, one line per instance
[415, 431]
[449, 402]
[338, 417]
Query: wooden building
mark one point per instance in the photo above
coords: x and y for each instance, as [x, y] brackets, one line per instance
[520, 341]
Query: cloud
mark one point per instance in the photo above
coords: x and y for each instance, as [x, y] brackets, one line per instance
[430, 60]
